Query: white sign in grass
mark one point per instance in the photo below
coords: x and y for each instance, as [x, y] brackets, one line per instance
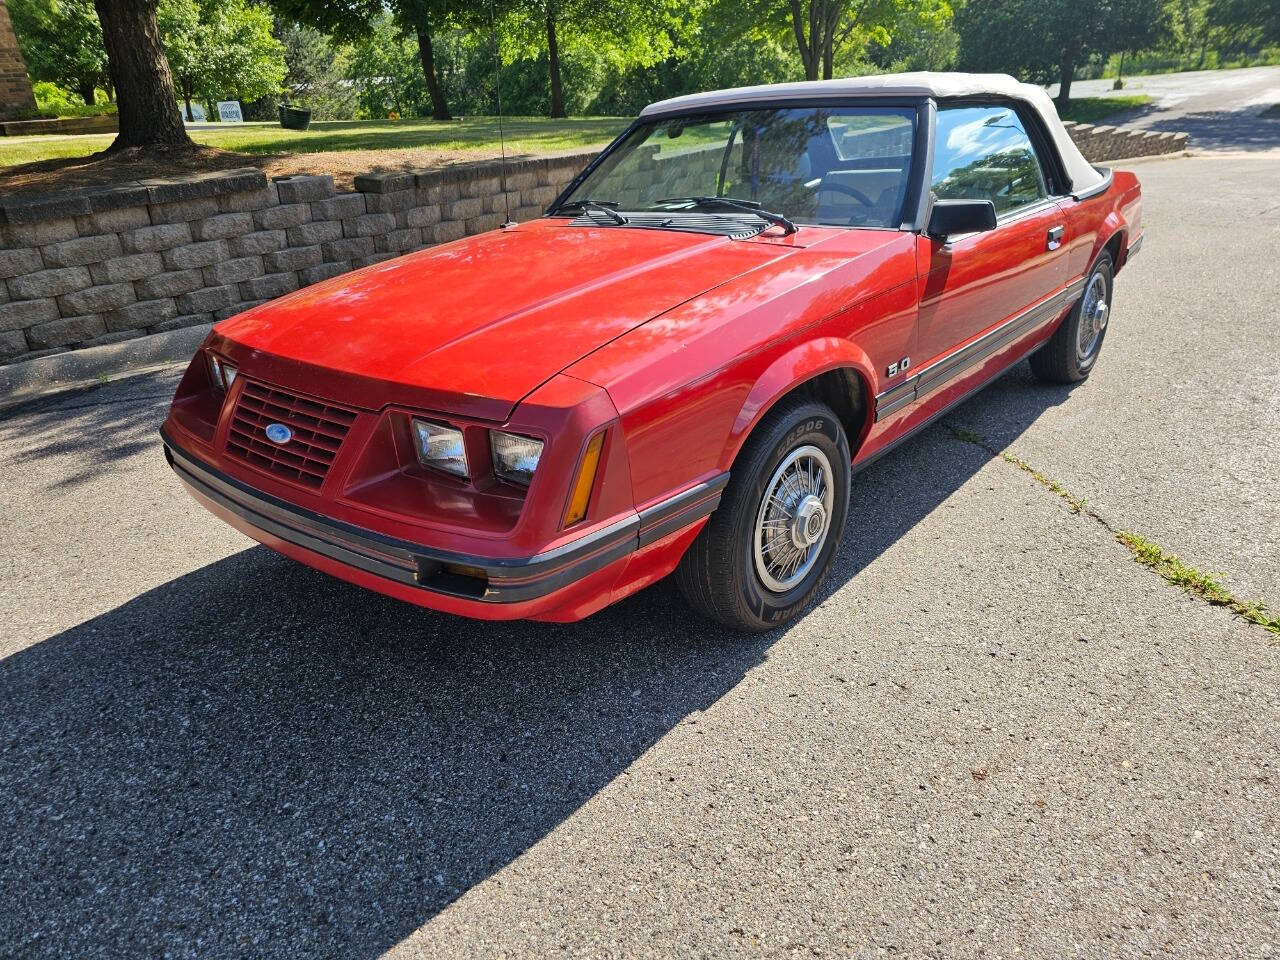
[229, 111]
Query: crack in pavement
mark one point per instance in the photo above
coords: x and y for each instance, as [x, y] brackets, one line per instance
[1204, 586]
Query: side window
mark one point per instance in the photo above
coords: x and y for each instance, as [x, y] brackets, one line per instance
[984, 153]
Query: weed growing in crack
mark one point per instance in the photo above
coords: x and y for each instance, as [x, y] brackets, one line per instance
[1146, 552]
[1193, 581]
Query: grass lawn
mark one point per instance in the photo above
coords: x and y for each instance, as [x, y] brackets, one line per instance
[464, 137]
[470, 136]
[341, 149]
[1093, 109]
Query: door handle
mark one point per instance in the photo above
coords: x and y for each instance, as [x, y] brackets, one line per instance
[1055, 237]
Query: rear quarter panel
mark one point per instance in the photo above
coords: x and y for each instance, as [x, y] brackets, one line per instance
[1091, 223]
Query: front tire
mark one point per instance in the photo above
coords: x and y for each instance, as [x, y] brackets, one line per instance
[1069, 355]
[765, 551]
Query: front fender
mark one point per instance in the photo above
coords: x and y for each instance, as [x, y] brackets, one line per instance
[798, 365]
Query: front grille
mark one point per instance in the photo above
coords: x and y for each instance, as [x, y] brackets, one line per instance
[318, 431]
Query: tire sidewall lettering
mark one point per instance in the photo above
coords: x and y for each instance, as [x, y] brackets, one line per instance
[821, 431]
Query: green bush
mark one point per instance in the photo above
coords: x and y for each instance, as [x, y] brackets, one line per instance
[55, 101]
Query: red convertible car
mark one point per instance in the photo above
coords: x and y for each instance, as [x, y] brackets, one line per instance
[748, 296]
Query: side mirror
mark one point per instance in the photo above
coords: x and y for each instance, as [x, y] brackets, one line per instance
[951, 218]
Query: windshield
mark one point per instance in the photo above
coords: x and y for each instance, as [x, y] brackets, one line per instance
[844, 166]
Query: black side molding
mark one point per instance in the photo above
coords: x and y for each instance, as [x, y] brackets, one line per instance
[937, 374]
[681, 510]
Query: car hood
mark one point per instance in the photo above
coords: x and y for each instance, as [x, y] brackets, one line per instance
[476, 325]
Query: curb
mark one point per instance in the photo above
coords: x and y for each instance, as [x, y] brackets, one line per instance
[1130, 161]
[28, 379]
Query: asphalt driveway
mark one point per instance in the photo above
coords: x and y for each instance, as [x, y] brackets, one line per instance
[997, 733]
[1222, 110]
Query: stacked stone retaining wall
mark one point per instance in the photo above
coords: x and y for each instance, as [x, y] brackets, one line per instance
[1101, 144]
[105, 265]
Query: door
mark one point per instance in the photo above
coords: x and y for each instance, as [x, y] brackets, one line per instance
[977, 283]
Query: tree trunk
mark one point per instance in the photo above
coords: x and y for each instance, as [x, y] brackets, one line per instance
[807, 40]
[148, 107]
[186, 97]
[553, 54]
[87, 92]
[439, 105]
[1066, 73]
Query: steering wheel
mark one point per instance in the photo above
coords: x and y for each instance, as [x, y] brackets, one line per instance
[847, 190]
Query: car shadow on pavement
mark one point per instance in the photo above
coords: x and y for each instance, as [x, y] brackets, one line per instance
[256, 759]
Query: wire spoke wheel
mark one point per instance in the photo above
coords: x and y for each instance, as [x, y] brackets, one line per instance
[1093, 317]
[794, 518]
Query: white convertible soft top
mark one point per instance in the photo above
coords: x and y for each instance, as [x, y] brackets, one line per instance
[936, 85]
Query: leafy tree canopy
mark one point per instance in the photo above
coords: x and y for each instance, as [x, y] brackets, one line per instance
[221, 49]
[61, 42]
[1046, 40]
[1258, 20]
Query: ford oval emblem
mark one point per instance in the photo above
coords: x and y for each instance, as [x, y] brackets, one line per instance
[278, 433]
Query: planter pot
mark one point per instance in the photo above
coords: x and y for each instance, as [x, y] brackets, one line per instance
[295, 118]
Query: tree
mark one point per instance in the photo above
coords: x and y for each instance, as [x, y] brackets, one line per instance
[1193, 29]
[61, 42]
[353, 20]
[1135, 26]
[823, 27]
[317, 71]
[1047, 40]
[221, 49]
[387, 71]
[148, 106]
[922, 37]
[423, 18]
[1256, 20]
[622, 32]
[848, 35]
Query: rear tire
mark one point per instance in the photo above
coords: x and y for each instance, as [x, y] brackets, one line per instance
[765, 551]
[1069, 355]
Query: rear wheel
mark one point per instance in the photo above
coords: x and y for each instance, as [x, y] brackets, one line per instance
[766, 549]
[1069, 355]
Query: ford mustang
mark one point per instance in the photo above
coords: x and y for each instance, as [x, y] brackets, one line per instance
[748, 296]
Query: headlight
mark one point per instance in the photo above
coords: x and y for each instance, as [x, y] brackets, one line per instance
[441, 447]
[514, 457]
[222, 373]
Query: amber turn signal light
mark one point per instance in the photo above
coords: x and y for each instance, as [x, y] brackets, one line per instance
[580, 498]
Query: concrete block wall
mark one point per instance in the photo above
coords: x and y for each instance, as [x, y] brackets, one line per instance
[110, 264]
[1101, 144]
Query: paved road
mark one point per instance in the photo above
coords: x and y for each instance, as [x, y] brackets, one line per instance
[1221, 109]
[996, 735]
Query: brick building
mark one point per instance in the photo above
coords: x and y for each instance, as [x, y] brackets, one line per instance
[15, 88]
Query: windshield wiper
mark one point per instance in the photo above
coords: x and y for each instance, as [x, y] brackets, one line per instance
[604, 206]
[750, 206]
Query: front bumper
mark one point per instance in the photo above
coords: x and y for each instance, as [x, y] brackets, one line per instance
[504, 580]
